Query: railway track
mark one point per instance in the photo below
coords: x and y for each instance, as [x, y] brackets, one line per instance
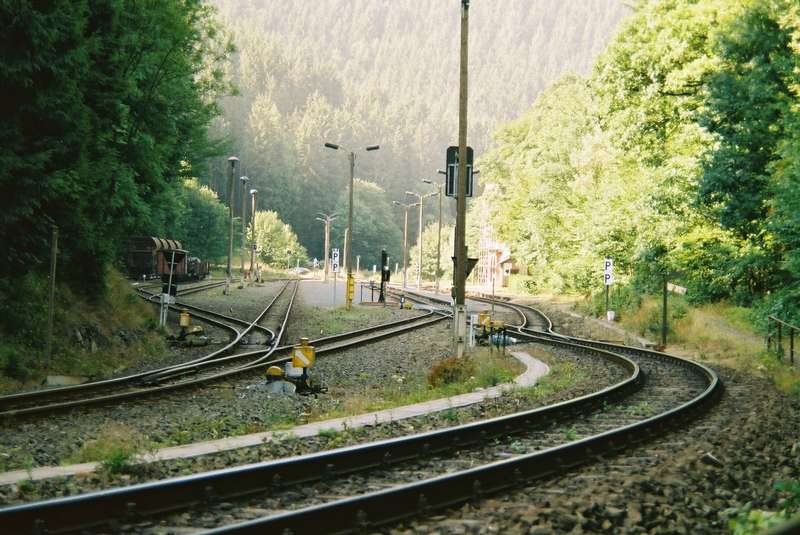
[139, 384]
[213, 367]
[364, 486]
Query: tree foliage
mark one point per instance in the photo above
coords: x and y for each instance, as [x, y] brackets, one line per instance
[204, 224]
[103, 104]
[374, 222]
[678, 157]
[276, 243]
[360, 72]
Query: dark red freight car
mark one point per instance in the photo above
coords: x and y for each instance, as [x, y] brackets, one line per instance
[150, 257]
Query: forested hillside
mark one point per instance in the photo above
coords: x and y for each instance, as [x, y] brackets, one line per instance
[678, 157]
[361, 72]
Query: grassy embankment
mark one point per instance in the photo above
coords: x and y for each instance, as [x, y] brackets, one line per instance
[719, 333]
[90, 339]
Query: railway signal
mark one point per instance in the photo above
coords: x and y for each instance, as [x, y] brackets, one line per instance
[451, 173]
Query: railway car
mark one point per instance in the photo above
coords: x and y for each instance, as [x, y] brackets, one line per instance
[196, 269]
[149, 257]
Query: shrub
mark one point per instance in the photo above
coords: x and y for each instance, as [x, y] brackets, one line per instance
[451, 370]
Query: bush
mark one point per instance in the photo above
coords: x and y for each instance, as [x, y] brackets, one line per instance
[13, 366]
[451, 370]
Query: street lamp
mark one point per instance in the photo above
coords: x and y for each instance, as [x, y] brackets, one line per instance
[405, 236]
[244, 180]
[252, 231]
[327, 219]
[232, 160]
[419, 241]
[348, 240]
[439, 242]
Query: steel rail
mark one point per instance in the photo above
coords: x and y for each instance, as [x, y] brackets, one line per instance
[131, 380]
[203, 313]
[93, 385]
[79, 512]
[382, 507]
[392, 329]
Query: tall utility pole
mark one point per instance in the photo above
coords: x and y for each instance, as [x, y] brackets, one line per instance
[326, 219]
[244, 180]
[232, 160]
[459, 309]
[349, 231]
[252, 231]
[439, 242]
[405, 237]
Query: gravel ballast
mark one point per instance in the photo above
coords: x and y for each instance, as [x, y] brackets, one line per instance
[591, 377]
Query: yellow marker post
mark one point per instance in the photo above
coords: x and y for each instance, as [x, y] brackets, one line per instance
[186, 319]
[303, 355]
[351, 288]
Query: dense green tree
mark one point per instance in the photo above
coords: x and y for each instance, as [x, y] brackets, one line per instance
[430, 242]
[745, 109]
[276, 242]
[374, 222]
[359, 72]
[103, 103]
[204, 222]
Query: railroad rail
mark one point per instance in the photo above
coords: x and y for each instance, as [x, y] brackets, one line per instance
[135, 385]
[189, 374]
[676, 389]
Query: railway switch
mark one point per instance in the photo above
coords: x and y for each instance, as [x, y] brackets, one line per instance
[186, 319]
[297, 371]
[303, 355]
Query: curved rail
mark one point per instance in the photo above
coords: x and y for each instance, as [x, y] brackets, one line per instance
[389, 505]
[7, 403]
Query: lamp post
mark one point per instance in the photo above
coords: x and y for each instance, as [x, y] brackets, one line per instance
[348, 241]
[244, 180]
[232, 160]
[252, 231]
[326, 219]
[405, 236]
[439, 242]
[420, 198]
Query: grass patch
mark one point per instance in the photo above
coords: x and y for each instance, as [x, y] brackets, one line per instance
[489, 369]
[719, 333]
[198, 429]
[746, 520]
[91, 339]
[323, 322]
[563, 375]
[115, 448]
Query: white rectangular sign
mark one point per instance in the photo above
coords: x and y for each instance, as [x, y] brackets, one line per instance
[608, 272]
[335, 260]
[676, 289]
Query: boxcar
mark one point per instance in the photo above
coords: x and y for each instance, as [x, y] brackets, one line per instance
[150, 257]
